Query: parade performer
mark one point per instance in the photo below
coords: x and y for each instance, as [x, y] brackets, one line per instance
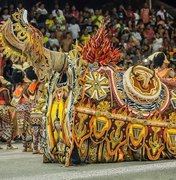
[6, 130]
[161, 63]
[35, 91]
[2, 63]
[162, 69]
[94, 110]
[23, 108]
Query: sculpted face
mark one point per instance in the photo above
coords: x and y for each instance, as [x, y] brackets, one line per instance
[144, 78]
[141, 84]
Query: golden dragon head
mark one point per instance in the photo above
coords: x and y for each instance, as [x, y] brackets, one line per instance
[21, 42]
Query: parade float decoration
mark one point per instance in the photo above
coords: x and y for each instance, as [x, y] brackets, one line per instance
[94, 109]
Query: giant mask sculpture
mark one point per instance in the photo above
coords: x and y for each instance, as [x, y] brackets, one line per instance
[94, 110]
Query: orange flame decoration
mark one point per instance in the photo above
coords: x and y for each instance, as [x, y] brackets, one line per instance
[100, 49]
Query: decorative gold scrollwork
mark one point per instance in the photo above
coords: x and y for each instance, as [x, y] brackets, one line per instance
[100, 124]
[117, 134]
[170, 139]
[136, 136]
[155, 142]
[136, 133]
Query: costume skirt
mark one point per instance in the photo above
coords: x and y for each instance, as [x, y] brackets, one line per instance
[5, 123]
[23, 119]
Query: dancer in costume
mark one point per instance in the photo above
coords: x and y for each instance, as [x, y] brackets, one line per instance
[6, 130]
[161, 63]
[23, 108]
[167, 76]
[104, 114]
[2, 64]
[35, 92]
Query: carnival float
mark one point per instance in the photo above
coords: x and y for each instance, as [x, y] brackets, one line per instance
[94, 111]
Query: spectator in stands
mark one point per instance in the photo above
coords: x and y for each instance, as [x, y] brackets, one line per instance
[153, 17]
[166, 34]
[97, 17]
[11, 9]
[67, 12]
[5, 15]
[149, 34]
[173, 41]
[45, 37]
[160, 30]
[159, 21]
[157, 43]
[20, 5]
[75, 13]
[142, 30]
[162, 13]
[125, 34]
[60, 20]
[113, 30]
[140, 26]
[136, 35]
[136, 16]
[145, 14]
[166, 45]
[130, 18]
[67, 41]
[88, 25]
[145, 49]
[120, 13]
[114, 13]
[53, 42]
[74, 28]
[57, 11]
[59, 33]
[49, 22]
[85, 37]
[41, 8]
[128, 61]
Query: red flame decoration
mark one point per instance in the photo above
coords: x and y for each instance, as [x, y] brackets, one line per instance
[100, 49]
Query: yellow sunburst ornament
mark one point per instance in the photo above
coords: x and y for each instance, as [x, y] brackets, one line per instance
[96, 86]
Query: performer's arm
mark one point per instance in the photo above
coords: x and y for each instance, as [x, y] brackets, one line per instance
[6, 96]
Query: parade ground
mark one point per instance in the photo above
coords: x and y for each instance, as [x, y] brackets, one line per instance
[25, 166]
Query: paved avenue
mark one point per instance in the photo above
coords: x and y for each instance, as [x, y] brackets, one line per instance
[15, 165]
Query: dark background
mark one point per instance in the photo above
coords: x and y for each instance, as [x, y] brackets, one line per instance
[82, 3]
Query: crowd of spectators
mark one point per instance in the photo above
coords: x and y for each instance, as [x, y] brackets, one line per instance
[137, 32]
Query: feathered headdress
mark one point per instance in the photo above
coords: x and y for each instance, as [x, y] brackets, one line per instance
[100, 49]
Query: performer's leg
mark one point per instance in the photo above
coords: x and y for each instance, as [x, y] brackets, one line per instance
[24, 134]
[1, 131]
[29, 137]
[35, 139]
[10, 138]
[1, 136]
[41, 139]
